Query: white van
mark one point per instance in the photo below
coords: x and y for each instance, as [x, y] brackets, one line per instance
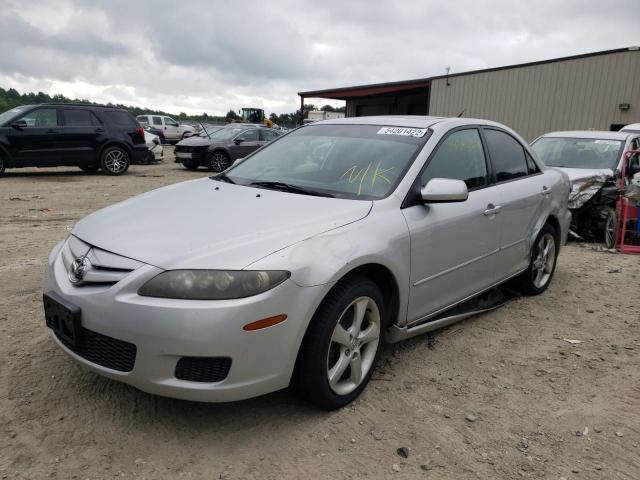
[173, 131]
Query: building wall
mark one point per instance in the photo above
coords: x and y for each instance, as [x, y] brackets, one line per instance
[576, 94]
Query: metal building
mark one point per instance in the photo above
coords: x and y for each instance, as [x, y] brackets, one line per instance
[599, 91]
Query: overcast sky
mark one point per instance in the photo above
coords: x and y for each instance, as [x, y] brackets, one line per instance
[212, 56]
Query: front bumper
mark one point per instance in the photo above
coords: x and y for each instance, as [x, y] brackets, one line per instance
[165, 330]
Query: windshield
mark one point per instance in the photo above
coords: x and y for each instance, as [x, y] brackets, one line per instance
[347, 161]
[207, 132]
[226, 133]
[10, 114]
[578, 152]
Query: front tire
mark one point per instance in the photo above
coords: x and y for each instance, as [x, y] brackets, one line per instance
[342, 345]
[219, 161]
[190, 164]
[611, 228]
[115, 161]
[544, 256]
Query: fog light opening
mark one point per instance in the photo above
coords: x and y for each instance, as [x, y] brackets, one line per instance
[265, 323]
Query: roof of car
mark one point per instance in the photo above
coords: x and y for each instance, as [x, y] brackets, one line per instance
[413, 121]
[596, 134]
[631, 128]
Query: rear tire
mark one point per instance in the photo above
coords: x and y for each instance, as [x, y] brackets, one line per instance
[544, 256]
[341, 346]
[611, 228]
[114, 161]
[219, 161]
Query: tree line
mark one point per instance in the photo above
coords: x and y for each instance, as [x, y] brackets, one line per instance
[11, 98]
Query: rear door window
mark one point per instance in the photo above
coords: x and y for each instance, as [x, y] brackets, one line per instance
[157, 120]
[79, 118]
[507, 155]
[459, 157]
[120, 117]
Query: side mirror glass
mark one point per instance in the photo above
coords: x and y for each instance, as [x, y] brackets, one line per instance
[444, 190]
[238, 140]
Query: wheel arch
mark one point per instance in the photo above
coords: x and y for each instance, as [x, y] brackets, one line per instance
[115, 143]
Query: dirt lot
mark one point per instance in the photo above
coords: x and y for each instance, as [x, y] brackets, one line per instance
[502, 395]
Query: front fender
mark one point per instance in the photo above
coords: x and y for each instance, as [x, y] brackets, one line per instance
[381, 238]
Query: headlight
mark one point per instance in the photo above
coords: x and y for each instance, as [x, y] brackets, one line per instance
[211, 284]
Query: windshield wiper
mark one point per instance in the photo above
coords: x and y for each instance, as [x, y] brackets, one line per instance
[287, 187]
[222, 177]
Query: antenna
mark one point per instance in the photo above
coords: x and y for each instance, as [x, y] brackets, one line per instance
[448, 69]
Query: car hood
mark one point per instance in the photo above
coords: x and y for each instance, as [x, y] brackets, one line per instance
[585, 183]
[579, 175]
[194, 141]
[210, 224]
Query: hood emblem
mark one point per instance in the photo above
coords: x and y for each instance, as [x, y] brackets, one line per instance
[79, 268]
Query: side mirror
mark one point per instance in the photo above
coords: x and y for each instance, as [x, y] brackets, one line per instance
[238, 140]
[19, 125]
[444, 190]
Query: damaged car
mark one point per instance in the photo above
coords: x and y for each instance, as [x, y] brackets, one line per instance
[592, 161]
[293, 266]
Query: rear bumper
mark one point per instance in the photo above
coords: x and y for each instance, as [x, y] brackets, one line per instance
[139, 154]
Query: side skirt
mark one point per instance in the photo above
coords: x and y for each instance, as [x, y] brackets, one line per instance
[483, 303]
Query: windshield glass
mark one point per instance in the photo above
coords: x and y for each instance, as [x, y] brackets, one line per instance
[10, 114]
[347, 161]
[226, 133]
[206, 132]
[578, 152]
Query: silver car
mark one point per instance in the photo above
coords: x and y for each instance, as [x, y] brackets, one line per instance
[292, 266]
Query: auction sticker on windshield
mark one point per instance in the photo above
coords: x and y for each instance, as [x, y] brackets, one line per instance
[404, 131]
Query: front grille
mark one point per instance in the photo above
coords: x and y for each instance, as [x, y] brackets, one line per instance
[203, 369]
[100, 267]
[103, 350]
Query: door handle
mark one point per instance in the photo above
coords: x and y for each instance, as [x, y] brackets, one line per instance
[545, 191]
[51, 130]
[99, 130]
[491, 210]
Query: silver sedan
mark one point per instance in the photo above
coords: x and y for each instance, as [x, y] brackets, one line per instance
[291, 267]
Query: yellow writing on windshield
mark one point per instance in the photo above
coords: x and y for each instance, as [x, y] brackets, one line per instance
[359, 174]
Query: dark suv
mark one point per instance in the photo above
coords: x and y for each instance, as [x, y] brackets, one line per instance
[88, 136]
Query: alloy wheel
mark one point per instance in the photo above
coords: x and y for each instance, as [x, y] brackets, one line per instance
[116, 161]
[353, 345]
[219, 162]
[544, 261]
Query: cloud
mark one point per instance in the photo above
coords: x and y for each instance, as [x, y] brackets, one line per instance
[214, 56]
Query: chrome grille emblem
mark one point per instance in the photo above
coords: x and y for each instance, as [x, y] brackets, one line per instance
[79, 268]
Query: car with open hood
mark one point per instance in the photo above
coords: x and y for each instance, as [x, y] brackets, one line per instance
[592, 161]
[332, 239]
[218, 150]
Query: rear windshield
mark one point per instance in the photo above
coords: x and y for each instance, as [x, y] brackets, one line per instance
[347, 161]
[590, 153]
[11, 114]
[120, 117]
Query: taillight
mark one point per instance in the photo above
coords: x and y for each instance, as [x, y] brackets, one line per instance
[140, 131]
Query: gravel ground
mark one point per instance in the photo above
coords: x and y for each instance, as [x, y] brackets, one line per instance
[502, 395]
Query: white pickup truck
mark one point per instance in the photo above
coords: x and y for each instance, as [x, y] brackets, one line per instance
[173, 130]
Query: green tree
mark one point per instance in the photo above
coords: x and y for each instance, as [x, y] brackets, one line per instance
[231, 116]
[327, 108]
